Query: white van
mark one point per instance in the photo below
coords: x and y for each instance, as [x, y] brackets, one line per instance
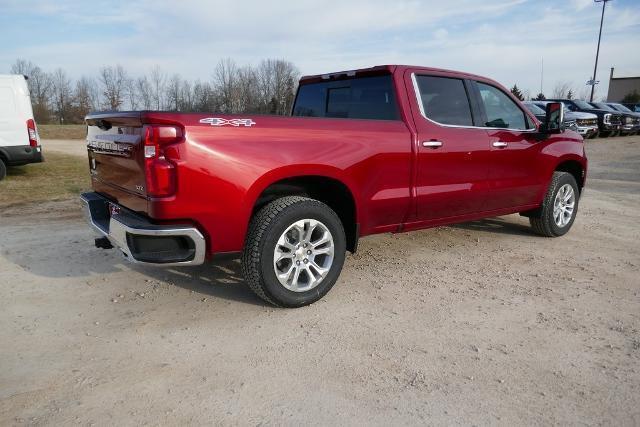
[19, 140]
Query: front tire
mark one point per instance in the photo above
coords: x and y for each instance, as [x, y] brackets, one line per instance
[294, 251]
[3, 170]
[559, 207]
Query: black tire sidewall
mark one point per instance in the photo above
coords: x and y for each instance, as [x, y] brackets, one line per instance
[3, 170]
[306, 209]
[566, 178]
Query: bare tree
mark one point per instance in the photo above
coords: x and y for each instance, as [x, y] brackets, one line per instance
[225, 80]
[83, 99]
[247, 90]
[22, 66]
[277, 80]
[131, 94]
[158, 81]
[39, 84]
[204, 98]
[61, 95]
[114, 83]
[173, 92]
[561, 90]
[186, 97]
[266, 88]
[585, 92]
[144, 91]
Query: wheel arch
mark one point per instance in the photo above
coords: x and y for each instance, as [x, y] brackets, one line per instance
[575, 168]
[325, 187]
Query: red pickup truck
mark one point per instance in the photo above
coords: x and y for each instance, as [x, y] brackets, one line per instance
[385, 149]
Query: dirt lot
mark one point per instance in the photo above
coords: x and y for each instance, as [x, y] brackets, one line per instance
[480, 323]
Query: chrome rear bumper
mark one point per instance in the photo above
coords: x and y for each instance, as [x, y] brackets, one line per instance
[140, 240]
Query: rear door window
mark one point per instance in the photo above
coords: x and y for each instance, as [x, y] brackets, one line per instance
[358, 98]
[501, 110]
[444, 100]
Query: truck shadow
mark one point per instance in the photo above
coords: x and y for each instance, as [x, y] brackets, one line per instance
[496, 225]
[16, 171]
[219, 279]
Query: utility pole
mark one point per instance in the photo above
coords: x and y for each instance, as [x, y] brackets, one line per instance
[541, 74]
[593, 81]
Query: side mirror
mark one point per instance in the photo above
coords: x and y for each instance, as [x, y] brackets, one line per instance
[554, 119]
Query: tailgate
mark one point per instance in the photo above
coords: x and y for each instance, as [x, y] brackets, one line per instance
[116, 153]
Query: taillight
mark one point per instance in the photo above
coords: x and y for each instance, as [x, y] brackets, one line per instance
[160, 172]
[33, 133]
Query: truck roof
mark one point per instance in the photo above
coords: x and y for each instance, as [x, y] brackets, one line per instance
[385, 69]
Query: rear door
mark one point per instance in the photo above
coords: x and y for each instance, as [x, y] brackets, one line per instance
[452, 168]
[514, 175]
[116, 154]
[13, 120]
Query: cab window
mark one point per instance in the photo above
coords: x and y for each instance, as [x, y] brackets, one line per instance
[370, 98]
[501, 110]
[444, 100]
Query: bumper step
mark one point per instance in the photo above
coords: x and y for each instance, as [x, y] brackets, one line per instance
[140, 240]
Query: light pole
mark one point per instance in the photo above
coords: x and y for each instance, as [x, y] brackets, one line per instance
[595, 67]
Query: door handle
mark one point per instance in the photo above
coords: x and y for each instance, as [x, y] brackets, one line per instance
[499, 144]
[432, 144]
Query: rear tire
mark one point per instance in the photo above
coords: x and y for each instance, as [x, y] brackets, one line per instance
[3, 170]
[559, 207]
[294, 251]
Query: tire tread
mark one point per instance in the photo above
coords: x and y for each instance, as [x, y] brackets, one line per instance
[541, 223]
[260, 223]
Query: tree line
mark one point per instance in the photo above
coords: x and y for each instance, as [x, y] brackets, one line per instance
[562, 90]
[268, 87]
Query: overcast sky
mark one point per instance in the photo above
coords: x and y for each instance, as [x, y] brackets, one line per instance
[502, 39]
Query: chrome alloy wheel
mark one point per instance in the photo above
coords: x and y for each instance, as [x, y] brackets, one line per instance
[564, 205]
[303, 255]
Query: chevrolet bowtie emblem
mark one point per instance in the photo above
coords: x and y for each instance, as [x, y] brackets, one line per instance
[217, 121]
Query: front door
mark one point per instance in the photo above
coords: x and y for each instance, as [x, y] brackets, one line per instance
[514, 178]
[452, 168]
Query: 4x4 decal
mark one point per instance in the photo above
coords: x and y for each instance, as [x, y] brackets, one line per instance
[217, 121]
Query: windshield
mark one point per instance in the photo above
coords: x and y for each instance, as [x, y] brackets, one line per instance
[534, 109]
[583, 105]
[621, 107]
[603, 106]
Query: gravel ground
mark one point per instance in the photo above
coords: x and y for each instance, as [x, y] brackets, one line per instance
[481, 323]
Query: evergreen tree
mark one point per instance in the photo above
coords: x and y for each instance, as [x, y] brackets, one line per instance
[516, 92]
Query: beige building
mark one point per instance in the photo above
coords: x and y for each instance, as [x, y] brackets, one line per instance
[621, 86]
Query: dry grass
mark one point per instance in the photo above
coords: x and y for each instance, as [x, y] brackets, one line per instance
[59, 177]
[62, 131]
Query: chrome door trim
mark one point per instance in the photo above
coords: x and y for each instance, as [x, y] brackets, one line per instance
[416, 89]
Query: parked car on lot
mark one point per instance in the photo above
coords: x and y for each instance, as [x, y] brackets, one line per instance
[541, 115]
[383, 149]
[19, 140]
[630, 123]
[609, 123]
[623, 109]
[586, 124]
